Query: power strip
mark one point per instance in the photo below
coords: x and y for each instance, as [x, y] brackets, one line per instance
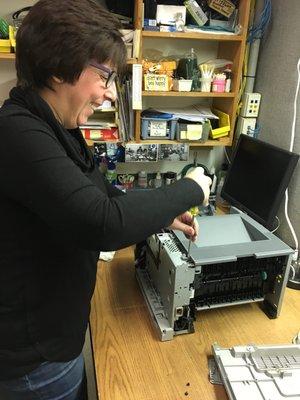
[251, 103]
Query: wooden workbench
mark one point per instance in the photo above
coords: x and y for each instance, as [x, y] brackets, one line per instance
[131, 363]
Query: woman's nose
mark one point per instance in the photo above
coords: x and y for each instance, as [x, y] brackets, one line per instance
[111, 92]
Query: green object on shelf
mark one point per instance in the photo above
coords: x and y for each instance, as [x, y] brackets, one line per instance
[4, 29]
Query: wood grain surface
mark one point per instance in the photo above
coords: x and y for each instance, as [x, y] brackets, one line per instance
[131, 362]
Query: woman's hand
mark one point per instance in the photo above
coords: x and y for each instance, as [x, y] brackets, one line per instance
[186, 224]
[197, 174]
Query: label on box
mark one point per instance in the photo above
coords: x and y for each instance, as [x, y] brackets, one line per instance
[103, 134]
[191, 132]
[156, 82]
[158, 128]
[194, 131]
[224, 7]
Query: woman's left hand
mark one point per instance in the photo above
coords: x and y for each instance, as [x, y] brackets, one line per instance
[186, 224]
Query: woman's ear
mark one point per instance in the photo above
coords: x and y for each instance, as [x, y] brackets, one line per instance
[57, 80]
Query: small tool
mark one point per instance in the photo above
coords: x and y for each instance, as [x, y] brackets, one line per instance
[194, 211]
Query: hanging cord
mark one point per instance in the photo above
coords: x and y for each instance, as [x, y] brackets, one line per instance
[195, 164]
[254, 132]
[255, 32]
[278, 225]
[291, 149]
[227, 156]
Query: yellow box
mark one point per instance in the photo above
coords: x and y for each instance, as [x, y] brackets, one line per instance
[4, 46]
[224, 122]
[12, 36]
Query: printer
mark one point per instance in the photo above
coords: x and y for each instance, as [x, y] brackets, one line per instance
[236, 258]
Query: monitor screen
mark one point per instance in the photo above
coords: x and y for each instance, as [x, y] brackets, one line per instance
[257, 178]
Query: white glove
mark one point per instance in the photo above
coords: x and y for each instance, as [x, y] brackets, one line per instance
[197, 174]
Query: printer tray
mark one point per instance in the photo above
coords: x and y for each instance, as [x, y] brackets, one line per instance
[260, 372]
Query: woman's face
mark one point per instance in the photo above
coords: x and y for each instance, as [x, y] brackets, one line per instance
[76, 102]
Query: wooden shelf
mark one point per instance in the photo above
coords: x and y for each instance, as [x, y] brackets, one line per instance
[193, 35]
[186, 94]
[226, 141]
[7, 56]
[12, 56]
[132, 61]
[209, 143]
[222, 45]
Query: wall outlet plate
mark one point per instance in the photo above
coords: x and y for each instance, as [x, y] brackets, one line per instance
[251, 104]
[246, 126]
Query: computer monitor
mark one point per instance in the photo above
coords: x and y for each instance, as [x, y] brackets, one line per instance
[257, 178]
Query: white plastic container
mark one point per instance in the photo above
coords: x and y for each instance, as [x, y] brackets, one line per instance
[205, 84]
[182, 85]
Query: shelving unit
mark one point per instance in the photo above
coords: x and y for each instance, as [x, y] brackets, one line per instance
[192, 35]
[7, 56]
[12, 56]
[187, 94]
[231, 47]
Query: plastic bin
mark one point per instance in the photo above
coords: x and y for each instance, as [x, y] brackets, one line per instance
[5, 46]
[158, 128]
[182, 85]
[224, 122]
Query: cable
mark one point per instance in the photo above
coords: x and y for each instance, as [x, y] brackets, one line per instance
[291, 149]
[257, 32]
[226, 155]
[296, 339]
[254, 132]
[278, 225]
[294, 273]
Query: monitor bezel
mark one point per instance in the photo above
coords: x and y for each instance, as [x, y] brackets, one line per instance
[269, 221]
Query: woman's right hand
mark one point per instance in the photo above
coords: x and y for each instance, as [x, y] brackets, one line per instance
[197, 174]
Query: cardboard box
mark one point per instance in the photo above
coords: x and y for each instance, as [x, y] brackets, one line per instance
[224, 7]
[167, 14]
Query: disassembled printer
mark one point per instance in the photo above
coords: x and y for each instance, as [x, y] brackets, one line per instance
[235, 259]
[248, 265]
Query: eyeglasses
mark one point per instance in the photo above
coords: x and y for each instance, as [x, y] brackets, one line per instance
[107, 74]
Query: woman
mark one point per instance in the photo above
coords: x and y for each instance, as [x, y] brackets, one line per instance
[56, 209]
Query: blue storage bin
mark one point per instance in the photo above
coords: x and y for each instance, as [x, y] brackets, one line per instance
[158, 128]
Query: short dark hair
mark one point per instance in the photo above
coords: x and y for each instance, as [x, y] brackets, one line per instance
[60, 37]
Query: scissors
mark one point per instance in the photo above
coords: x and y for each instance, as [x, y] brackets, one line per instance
[126, 179]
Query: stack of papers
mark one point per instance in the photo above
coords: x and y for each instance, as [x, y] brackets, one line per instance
[195, 113]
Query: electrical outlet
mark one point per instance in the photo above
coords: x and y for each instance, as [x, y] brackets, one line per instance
[251, 103]
[246, 126]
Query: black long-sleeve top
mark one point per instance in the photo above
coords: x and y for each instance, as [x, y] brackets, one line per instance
[57, 212]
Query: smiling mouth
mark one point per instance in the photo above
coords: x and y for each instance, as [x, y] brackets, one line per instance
[94, 106]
